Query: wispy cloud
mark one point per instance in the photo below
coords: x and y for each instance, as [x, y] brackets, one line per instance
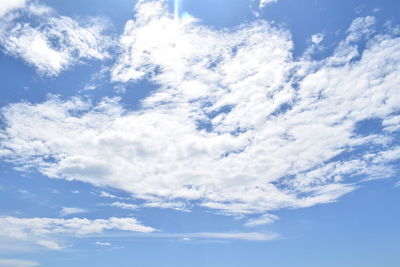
[66, 211]
[251, 236]
[107, 195]
[122, 205]
[45, 231]
[17, 262]
[240, 236]
[264, 219]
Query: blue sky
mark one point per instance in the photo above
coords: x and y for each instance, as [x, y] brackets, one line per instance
[204, 133]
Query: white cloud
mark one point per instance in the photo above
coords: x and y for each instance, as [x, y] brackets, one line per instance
[37, 9]
[44, 231]
[10, 5]
[176, 205]
[56, 43]
[98, 243]
[241, 236]
[17, 262]
[122, 205]
[66, 211]
[248, 236]
[264, 3]
[362, 26]
[264, 219]
[317, 38]
[107, 195]
[236, 124]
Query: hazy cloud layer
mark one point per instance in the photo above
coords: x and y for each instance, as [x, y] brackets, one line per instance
[236, 123]
[17, 262]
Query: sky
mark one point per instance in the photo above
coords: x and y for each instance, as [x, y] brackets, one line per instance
[160, 133]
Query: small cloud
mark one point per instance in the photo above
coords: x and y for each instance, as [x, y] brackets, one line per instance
[108, 195]
[120, 89]
[98, 243]
[359, 9]
[122, 205]
[66, 211]
[264, 3]
[89, 87]
[376, 10]
[265, 219]
[49, 244]
[185, 239]
[317, 38]
[75, 191]
[23, 191]
[175, 205]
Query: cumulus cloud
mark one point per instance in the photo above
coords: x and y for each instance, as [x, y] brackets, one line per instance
[236, 124]
[44, 231]
[17, 262]
[53, 43]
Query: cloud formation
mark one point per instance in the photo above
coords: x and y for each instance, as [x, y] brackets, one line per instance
[9, 5]
[236, 123]
[53, 43]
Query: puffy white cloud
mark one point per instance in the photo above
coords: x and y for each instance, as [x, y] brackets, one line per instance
[317, 38]
[44, 231]
[236, 124]
[17, 262]
[54, 43]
